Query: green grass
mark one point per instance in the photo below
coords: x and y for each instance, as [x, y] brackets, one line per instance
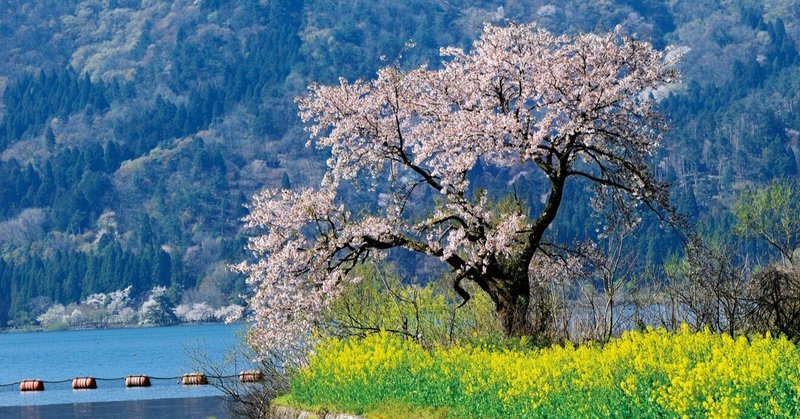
[653, 374]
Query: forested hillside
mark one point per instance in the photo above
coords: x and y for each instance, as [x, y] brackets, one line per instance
[132, 132]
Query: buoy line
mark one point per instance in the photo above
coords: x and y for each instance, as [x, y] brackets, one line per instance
[81, 383]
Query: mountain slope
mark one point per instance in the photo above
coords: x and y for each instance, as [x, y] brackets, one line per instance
[132, 132]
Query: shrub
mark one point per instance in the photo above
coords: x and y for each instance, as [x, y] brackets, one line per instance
[429, 313]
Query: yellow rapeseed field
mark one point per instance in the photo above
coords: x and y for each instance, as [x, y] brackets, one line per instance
[641, 374]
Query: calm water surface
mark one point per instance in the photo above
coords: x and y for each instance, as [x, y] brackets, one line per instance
[109, 353]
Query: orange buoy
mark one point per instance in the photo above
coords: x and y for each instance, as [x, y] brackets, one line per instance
[194, 378]
[137, 381]
[251, 376]
[31, 385]
[84, 383]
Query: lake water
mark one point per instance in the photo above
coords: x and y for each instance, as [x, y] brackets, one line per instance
[109, 353]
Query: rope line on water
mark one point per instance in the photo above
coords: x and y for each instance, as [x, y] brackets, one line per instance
[54, 381]
[107, 379]
[166, 378]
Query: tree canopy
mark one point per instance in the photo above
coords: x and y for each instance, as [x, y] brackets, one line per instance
[771, 213]
[568, 106]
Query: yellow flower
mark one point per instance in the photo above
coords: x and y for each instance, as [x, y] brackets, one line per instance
[683, 374]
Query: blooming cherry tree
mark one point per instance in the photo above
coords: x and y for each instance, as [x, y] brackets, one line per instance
[568, 106]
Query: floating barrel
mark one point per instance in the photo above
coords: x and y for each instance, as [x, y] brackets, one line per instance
[84, 383]
[31, 385]
[137, 381]
[194, 378]
[251, 376]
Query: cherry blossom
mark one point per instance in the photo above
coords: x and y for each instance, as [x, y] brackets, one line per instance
[571, 107]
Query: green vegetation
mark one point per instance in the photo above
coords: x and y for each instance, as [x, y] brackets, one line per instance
[649, 374]
[771, 214]
[379, 301]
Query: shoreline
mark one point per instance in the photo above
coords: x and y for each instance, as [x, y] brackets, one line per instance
[187, 407]
[110, 327]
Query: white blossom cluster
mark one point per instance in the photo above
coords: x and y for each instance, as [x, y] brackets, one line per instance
[117, 308]
[205, 312]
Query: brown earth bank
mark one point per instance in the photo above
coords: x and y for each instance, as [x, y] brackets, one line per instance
[286, 412]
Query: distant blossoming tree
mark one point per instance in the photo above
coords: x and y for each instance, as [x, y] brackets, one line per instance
[568, 106]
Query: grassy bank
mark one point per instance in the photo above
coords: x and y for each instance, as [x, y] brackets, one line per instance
[649, 374]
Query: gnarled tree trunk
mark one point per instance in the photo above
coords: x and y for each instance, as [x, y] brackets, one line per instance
[512, 304]
[522, 307]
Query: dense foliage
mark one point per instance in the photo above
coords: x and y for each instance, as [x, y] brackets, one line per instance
[641, 374]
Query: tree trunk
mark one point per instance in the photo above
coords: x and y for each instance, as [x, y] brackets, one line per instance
[522, 309]
[512, 305]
